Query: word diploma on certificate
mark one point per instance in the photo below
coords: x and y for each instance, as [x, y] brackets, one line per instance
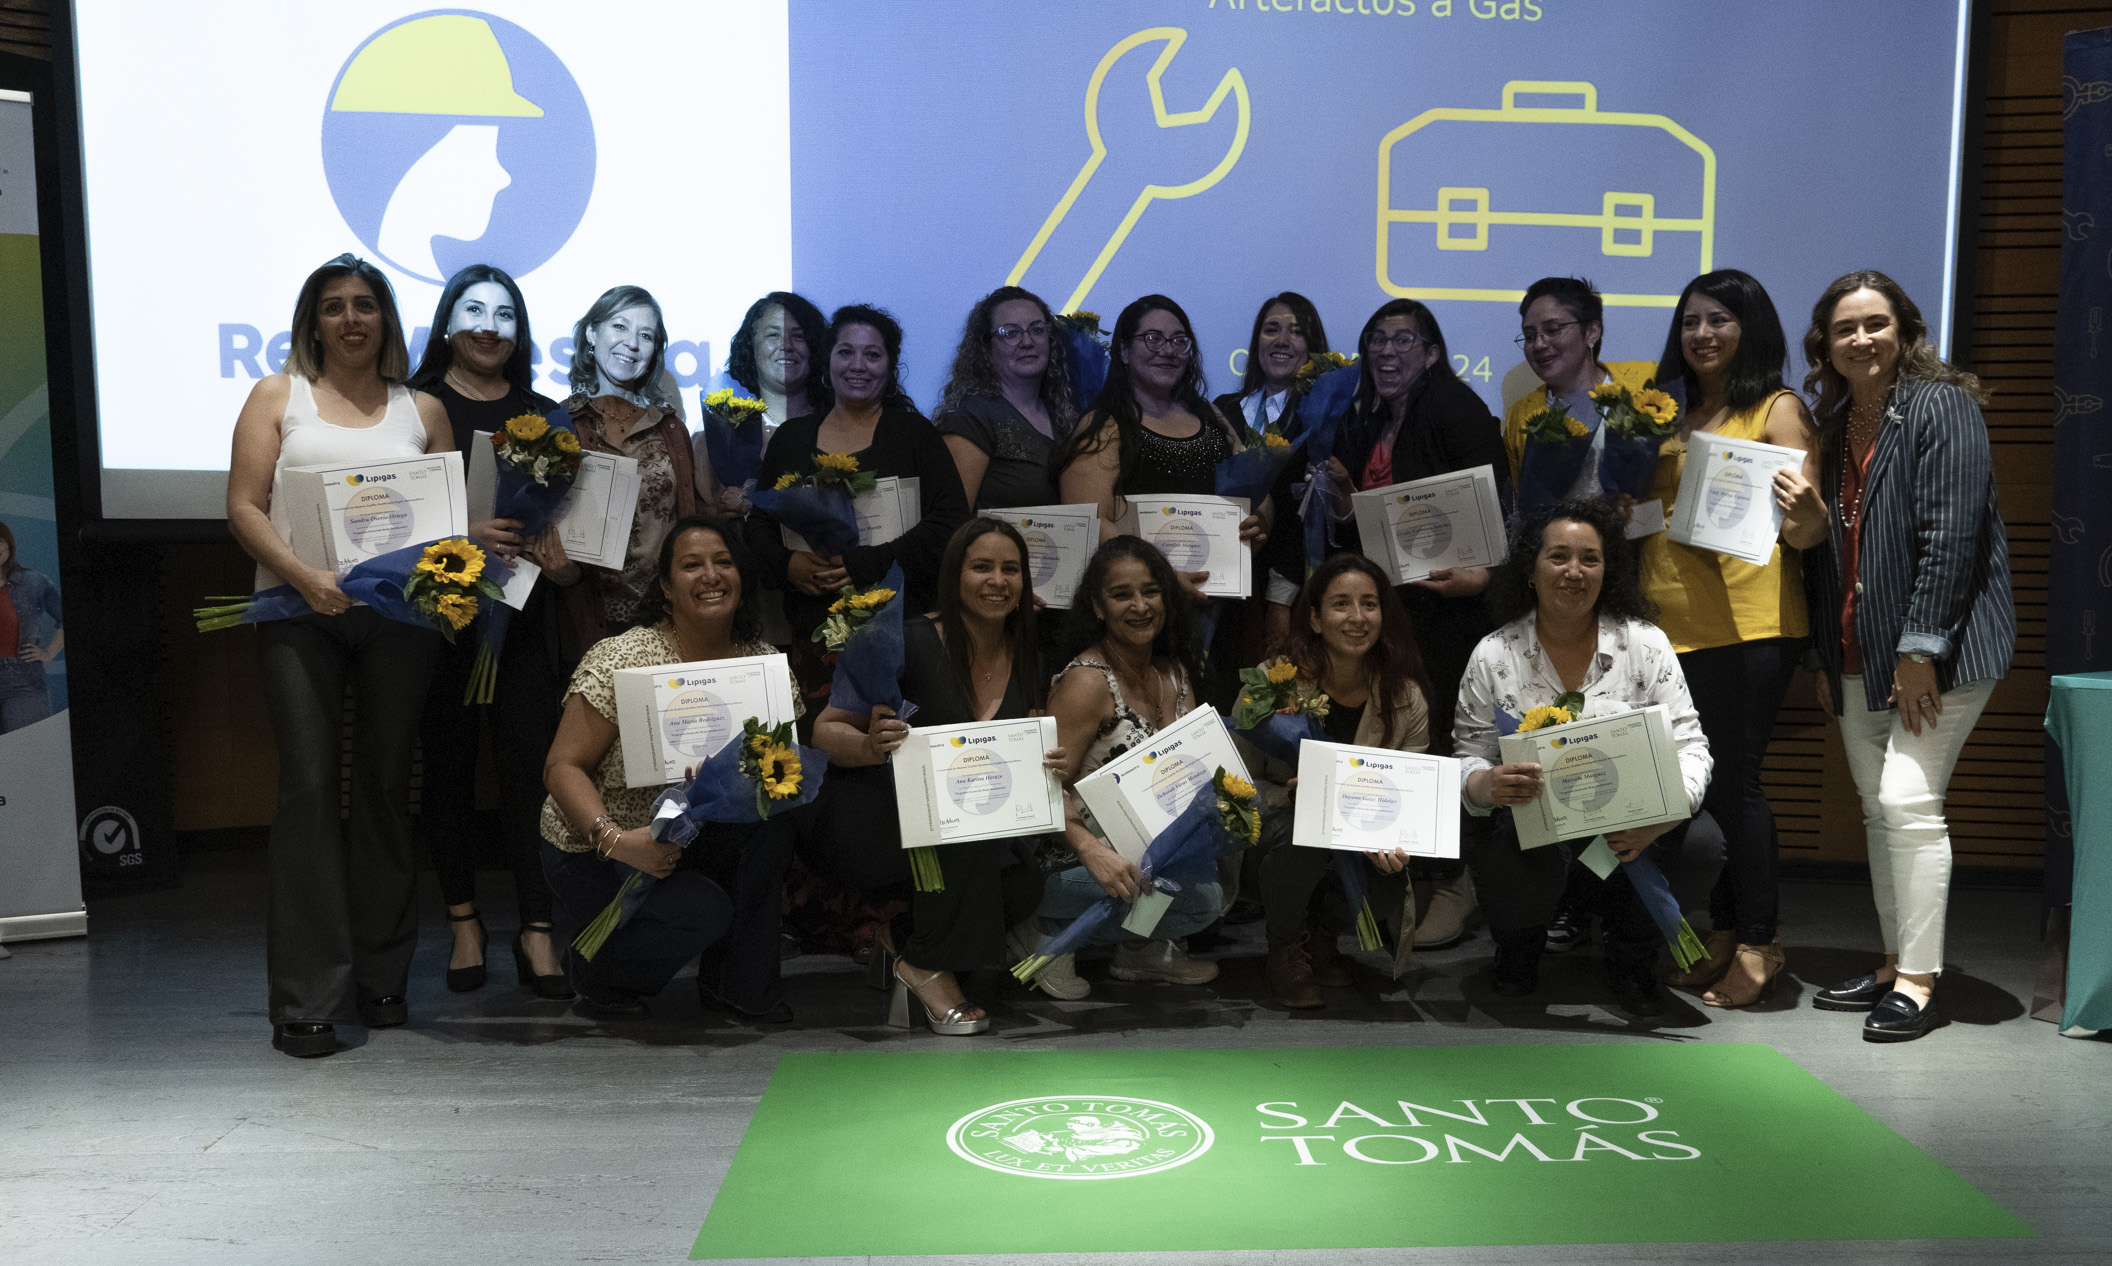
[1139, 793]
[1598, 775]
[339, 516]
[1726, 497]
[1060, 541]
[981, 781]
[593, 522]
[674, 717]
[1434, 524]
[1197, 534]
[1376, 800]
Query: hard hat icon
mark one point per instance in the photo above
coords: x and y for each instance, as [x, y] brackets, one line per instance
[449, 63]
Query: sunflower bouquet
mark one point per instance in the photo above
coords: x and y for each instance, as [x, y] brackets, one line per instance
[1327, 384]
[817, 505]
[762, 773]
[535, 449]
[1637, 424]
[538, 457]
[1556, 445]
[1251, 472]
[733, 435]
[439, 585]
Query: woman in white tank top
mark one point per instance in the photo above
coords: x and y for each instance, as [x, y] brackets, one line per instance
[338, 951]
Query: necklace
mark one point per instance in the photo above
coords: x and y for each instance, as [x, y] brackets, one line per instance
[1863, 426]
[462, 385]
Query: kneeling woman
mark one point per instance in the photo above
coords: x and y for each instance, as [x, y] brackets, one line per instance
[1574, 619]
[719, 897]
[974, 660]
[1351, 639]
[1135, 677]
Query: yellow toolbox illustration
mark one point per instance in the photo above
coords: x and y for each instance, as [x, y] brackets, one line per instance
[1488, 209]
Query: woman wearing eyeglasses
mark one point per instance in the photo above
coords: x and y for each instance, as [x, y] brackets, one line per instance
[1560, 329]
[1007, 403]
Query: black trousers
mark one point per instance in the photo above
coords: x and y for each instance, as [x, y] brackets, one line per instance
[749, 862]
[1301, 887]
[1737, 690]
[527, 701]
[1520, 889]
[681, 915]
[851, 836]
[343, 918]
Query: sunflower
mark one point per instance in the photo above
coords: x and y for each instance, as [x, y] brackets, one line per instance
[455, 561]
[1606, 392]
[837, 461]
[1092, 318]
[1544, 716]
[1238, 788]
[785, 481]
[780, 769]
[566, 442]
[1657, 407]
[457, 609]
[1283, 672]
[1574, 427]
[1273, 440]
[527, 427]
[871, 599]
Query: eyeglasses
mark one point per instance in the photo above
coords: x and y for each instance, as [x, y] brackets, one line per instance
[1549, 332]
[1152, 340]
[1399, 340]
[1009, 334]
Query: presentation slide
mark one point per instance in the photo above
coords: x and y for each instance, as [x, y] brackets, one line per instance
[918, 155]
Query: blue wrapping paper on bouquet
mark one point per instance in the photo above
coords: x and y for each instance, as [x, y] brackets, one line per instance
[1085, 360]
[1251, 472]
[1549, 469]
[533, 505]
[736, 452]
[869, 667]
[1628, 466]
[377, 582]
[822, 515]
[1278, 736]
[1320, 413]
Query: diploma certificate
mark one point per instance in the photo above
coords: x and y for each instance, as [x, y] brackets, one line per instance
[1139, 793]
[1427, 525]
[1726, 499]
[1376, 800]
[341, 515]
[676, 716]
[1197, 534]
[1060, 541]
[890, 509]
[594, 519]
[983, 781]
[1601, 774]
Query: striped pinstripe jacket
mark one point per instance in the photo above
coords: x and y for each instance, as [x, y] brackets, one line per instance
[1934, 566]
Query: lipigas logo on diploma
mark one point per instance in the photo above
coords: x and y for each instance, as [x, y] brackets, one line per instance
[1080, 1137]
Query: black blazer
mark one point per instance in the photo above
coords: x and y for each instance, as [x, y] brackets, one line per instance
[1284, 551]
[1934, 563]
[1446, 428]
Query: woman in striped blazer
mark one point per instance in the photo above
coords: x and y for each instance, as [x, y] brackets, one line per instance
[1910, 611]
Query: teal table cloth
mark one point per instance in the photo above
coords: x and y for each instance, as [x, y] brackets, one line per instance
[2079, 716]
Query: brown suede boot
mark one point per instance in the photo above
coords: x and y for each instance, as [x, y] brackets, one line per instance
[1288, 975]
[1323, 949]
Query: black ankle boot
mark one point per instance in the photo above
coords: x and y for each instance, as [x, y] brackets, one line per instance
[1517, 969]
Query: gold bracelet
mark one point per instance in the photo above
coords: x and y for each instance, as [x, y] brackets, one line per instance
[601, 829]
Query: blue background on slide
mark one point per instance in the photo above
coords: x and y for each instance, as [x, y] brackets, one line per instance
[929, 148]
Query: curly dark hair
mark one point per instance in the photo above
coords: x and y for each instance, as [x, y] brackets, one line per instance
[740, 355]
[974, 371]
[890, 331]
[1621, 595]
[747, 615]
[1176, 642]
[1393, 658]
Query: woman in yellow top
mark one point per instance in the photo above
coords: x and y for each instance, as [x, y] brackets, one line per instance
[1739, 629]
[1560, 326]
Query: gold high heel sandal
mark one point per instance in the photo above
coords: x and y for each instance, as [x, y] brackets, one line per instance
[1752, 973]
[954, 1022]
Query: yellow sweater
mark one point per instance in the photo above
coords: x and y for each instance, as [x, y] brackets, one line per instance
[1631, 374]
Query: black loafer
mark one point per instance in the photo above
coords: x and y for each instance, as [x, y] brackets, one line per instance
[1897, 1019]
[1859, 994]
[1635, 989]
[304, 1041]
[610, 1009]
[385, 1013]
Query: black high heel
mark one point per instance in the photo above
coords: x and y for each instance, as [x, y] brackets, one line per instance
[556, 988]
[466, 979]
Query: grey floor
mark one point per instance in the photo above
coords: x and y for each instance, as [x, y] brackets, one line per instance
[144, 1118]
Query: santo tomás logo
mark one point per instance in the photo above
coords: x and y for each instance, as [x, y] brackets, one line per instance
[455, 137]
[1080, 1137]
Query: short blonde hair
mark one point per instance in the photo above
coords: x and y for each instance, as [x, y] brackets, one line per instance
[304, 359]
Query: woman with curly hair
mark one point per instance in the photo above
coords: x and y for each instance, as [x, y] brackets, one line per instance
[1575, 620]
[1007, 403]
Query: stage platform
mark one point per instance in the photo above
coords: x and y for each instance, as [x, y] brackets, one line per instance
[144, 1117]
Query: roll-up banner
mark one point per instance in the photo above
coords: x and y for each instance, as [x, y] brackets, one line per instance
[40, 871]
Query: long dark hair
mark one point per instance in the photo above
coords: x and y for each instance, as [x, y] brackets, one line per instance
[1577, 296]
[1020, 623]
[439, 354]
[1119, 421]
[740, 355]
[890, 331]
[1621, 595]
[1394, 658]
[1367, 403]
[585, 373]
[747, 614]
[1756, 367]
[1917, 358]
[14, 554]
[304, 353]
[974, 370]
[1304, 313]
[1176, 641]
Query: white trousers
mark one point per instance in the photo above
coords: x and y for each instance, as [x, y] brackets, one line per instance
[1901, 777]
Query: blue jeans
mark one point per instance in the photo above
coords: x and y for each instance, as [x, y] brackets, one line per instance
[24, 698]
[1070, 893]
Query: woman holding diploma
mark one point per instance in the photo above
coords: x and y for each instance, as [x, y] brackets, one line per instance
[1912, 611]
[338, 951]
[1738, 628]
[1350, 639]
[975, 659]
[718, 897]
[1576, 621]
[1135, 676]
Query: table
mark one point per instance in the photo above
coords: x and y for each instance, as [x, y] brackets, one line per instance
[2079, 716]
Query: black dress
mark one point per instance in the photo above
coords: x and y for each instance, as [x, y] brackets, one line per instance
[852, 836]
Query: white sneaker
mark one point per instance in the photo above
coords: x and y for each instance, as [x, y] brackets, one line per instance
[1160, 960]
[1060, 979]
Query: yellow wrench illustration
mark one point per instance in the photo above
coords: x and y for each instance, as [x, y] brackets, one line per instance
[1233, 84]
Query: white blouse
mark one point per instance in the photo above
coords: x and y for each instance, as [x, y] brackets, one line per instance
[1634, 668]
